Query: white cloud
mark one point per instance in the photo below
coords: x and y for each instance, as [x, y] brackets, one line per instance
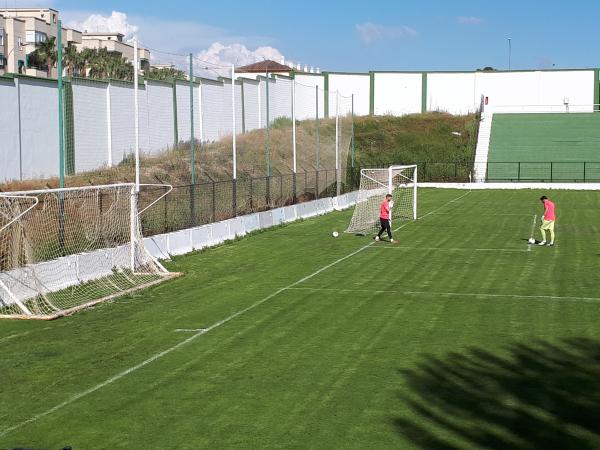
[115, 23]
[171, 41]
[371, 32]
[219, 54]
[469, 20]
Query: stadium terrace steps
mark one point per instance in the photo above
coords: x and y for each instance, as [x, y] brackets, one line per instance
[483, 145]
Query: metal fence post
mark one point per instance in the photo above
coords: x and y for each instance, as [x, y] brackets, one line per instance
[317, 184]
[165, 221]
[192, 220]
[584, 179]
[234, 197]
[519, 171]
[214, 203]
[268, 190]
[551, 170]
[251, 195]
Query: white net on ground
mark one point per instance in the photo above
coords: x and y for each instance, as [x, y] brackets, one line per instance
[400, 181]
[65, 249]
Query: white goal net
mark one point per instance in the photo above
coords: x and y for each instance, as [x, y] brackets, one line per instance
[400, 181]
[62, 250]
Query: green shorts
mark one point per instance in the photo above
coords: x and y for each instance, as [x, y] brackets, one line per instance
[548, 225]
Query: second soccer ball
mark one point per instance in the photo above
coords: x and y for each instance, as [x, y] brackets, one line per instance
[335, 234]
[531, 241]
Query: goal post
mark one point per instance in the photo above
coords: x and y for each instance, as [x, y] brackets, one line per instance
[62, 250]
[400, 181]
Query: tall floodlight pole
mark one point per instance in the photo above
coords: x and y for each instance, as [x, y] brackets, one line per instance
[192, 136]
[268, 125]
[136, 114]
[509, 52]
[337, 141]
[61, 135]
[233, 121]
[294, 164]
[61, 141]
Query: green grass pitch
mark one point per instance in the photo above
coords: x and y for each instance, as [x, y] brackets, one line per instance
[462, 336]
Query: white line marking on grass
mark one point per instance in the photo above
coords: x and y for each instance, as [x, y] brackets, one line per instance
[454, 249]
[451, 294]
[196, 335]
[12, 336]
[171, 349]
[471, 294]
[189, 330]
[486, 214]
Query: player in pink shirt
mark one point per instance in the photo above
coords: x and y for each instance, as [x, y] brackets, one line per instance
[384, 217]
[547, 221]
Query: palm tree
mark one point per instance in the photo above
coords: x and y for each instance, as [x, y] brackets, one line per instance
[72, 60]
[44, 56]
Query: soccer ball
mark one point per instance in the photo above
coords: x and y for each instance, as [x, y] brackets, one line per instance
[531, 241]
[335, 234]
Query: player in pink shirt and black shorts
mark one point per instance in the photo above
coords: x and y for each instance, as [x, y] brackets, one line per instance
[547, 221]
[384, 218]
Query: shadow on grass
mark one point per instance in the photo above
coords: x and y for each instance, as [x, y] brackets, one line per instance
[538, 395]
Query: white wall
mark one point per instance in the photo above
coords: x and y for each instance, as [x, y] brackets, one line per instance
[39, 128]
[159, 100]
[122, 120]
[9, 131]
[280, 98]
[536, 88]
[452, 92]
[306, 96]
[251, 115]
[216, 110]
[90, 122]
[397, 93]
[349, 84]
[182, 94]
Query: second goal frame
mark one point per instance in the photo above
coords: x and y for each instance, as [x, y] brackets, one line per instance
[397, 175]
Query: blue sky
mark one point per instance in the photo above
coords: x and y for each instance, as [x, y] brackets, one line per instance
[361, 35]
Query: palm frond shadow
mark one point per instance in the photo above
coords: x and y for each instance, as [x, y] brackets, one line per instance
[537, 395]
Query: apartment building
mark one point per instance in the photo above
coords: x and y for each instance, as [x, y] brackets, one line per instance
[23, 29]
[113, 42]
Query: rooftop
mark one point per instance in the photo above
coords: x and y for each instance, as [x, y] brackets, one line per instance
[264, 66]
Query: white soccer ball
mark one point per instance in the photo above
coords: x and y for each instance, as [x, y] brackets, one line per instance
[335, 234]
[531, 241]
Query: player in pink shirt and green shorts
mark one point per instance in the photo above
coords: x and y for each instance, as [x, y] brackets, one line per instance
[547, 221]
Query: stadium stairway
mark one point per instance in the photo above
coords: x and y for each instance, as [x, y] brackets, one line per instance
[483, 146]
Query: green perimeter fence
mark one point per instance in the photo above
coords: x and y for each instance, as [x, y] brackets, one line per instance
[197, 204]
[553, 171]
[201, 203]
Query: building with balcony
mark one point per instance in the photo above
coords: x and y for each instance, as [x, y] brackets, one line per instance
[113, 42]
[23, 30]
